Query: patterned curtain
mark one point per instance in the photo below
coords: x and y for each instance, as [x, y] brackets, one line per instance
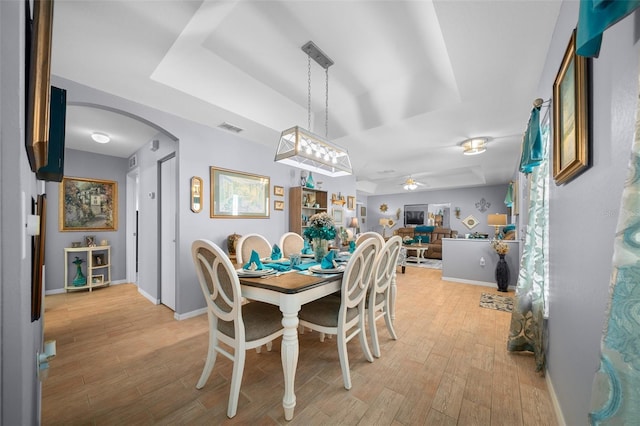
[530, 307]
[615, 394]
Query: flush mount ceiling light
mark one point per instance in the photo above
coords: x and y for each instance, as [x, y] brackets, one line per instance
[300, 147]
[410, 184]
[474, 146]
[100, 137]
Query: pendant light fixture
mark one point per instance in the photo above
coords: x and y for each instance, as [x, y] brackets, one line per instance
[300, 147]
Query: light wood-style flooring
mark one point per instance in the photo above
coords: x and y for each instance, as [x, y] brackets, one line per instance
[124, 361]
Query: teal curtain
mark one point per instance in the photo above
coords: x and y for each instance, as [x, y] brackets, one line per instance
[508, 199]
[532, 155]
[594, 18]
[530, 308]
[615, 394]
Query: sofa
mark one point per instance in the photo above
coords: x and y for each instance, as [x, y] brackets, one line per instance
[430, 235]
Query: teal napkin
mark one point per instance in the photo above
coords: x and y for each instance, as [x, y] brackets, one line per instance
[276, 253]
[352, 246]
[328, 261]
[279, 266]
[307, 248]
[304, 266]
[254, 259]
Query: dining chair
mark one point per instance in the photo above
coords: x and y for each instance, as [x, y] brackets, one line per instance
[381, 299]
[250, 242]
[290, 243]
[370, 234]
[241, 327]
[344, 316]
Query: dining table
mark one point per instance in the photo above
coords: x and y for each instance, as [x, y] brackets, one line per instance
[290, 290]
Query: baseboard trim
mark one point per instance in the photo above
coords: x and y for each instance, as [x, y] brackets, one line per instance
[191, 314]
[148, 296]
[473, 282]
[554, 399]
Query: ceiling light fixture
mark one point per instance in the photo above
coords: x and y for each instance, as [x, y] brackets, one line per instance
[300, 147]
[100, 137]
[410, 184]
[474, 146]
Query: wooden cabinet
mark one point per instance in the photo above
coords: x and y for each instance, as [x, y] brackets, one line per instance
[304, 203]
[95, 265]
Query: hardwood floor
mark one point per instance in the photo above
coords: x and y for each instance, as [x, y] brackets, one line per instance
[122, 360]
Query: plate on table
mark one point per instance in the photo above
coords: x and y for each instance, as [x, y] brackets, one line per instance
[259, 273]
[318, 269]
[308, 255]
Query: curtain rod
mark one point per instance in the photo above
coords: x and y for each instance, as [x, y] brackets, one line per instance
[539, 102]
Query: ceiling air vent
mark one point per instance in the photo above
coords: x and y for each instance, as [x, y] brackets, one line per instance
[230, 127]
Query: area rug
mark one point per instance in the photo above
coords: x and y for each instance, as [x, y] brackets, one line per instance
[497, 302]
[427, 263]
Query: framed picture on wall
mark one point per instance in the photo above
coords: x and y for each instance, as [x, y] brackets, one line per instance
[239, 195]
[88, 204]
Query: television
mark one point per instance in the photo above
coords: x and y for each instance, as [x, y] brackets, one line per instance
[413, 217]
[54, 170]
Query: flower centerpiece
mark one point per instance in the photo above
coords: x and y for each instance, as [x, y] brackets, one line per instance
[321, 229]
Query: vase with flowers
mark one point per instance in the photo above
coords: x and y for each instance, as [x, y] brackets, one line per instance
[321, 229]
[502, 268]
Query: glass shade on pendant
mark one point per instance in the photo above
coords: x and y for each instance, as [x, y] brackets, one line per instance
[300, 148]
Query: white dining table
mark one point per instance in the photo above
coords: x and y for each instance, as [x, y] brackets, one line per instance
[290, 291]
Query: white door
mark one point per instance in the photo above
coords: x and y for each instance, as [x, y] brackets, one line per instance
[168, 232]
[132, 227]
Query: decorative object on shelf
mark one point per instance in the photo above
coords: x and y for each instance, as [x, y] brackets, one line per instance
[89, 240]
[470, 222]
[309, 183]
[97, 279]
[483, 205]
[196, 194]
[104, 242]
[79, 280]
[457, 210]
[319, 184]
[351, 202]
[571, 112]
[300, 147]
[88, 205]
[496, 220]
[303, 179]
[321, 229]
[278, 190]
[384, 207]
[239, 195]
[76, 244]
[278, 205]
[231, 243]
[98, 259]
[502, 268]
[338, 199]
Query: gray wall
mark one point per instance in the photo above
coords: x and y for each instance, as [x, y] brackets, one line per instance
[85, 165]
[583, 213]
[21, 338]
[465, 198]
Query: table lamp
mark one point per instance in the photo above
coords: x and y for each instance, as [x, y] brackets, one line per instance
[384, 222]
[497, 220]
[353, 223]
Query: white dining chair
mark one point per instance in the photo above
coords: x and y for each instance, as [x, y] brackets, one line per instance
[344, 316]
[241, 327]
[290, 243]
[250, 242]
[370, 234]
[380, 298]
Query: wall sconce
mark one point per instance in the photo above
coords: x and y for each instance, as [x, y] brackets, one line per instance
[196, 194]
[457, 210]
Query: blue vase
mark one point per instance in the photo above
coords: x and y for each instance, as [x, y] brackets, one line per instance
[310, 183]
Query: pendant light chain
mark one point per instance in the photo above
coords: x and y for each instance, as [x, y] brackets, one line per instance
[309, 92]
[326, 104]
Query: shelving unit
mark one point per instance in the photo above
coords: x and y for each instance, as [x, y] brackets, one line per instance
[302, 202]
[97, 270]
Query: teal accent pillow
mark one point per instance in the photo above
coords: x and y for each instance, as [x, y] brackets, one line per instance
[425, 229]
[508, 228]
[424, 239]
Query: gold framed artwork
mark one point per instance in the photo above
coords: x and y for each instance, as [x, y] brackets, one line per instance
[278, 205]
[351, 202]
[196, 194]
[570, 116]
[239, 195]
[87, 204]
[38, 84]
[278, 190]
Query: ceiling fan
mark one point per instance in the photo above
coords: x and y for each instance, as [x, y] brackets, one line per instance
[411, 184]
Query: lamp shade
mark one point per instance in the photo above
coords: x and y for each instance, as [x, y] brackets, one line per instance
[301, 148]
[497, 219]
[353, 222]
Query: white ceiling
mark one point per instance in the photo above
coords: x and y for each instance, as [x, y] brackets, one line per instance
[411, 79]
